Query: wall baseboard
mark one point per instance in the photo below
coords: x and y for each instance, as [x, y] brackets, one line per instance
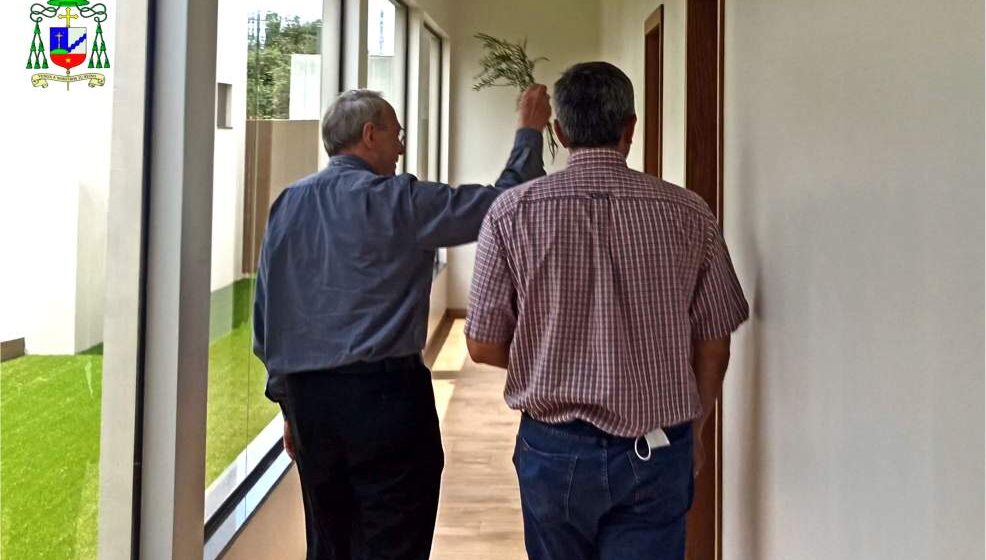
[437, 339]
[456, 313]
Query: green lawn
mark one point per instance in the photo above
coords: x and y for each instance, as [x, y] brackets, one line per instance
[49, 440]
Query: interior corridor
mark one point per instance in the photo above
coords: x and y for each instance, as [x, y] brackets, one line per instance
[479, 513]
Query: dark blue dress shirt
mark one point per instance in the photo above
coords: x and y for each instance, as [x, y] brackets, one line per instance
[346, 263]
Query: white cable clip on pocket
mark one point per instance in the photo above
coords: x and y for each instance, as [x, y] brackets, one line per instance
[654, 439]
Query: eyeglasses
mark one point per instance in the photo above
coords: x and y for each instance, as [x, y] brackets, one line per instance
[401, 133]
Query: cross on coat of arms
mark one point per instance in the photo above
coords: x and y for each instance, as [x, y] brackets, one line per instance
[68, 42]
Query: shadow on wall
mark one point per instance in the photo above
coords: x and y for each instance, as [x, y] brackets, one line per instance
[750, 436]
[745, 403]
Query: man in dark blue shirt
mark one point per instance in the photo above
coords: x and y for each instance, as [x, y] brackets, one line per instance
[340, 318]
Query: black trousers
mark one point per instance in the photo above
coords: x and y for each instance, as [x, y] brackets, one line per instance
[370, 457]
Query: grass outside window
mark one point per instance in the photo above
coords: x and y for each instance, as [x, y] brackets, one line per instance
[49, 438]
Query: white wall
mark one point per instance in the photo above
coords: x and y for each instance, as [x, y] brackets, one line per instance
[438, 302]
[483, 123]
[854, 210]
[90, 281]
[227, 195]
[622, 43]
[53, 196]
[306, 82]
[437, 13]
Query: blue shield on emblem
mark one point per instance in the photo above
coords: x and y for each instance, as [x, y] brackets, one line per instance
[67, 46]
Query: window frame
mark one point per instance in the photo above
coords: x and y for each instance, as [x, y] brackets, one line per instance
[440, 125]
[224, 106]
[121, 441]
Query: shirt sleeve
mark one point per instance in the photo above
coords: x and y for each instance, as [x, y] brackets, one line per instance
[492, 313]
[445, 216]
[718, 306]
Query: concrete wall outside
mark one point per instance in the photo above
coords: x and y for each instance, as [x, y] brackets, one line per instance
[229, 151]
[278, 153]
[54, 197]
[306, 83]
[294, 153]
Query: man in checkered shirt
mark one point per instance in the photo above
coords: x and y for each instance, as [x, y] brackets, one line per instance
[610, 298]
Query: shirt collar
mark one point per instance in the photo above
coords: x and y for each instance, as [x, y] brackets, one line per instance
[604, 157]
[348, 160]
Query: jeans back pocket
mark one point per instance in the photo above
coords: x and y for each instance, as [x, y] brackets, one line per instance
[545, 481]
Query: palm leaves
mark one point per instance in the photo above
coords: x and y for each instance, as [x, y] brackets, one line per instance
[507, 64]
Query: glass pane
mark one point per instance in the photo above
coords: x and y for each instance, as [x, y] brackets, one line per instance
[430, 116]
[270, 59]
[386, 46]
[53, 238]
[434, 95]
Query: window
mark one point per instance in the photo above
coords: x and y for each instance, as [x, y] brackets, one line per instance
[430, 106]
[386, 44]
[224, 105]
[430, 94]
[270, 54]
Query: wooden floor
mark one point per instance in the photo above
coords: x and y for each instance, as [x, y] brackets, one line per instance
[479, 514]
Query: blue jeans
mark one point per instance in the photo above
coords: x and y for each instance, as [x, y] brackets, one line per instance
[587, 495]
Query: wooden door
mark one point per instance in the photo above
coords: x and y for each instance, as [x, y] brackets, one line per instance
[703, 174]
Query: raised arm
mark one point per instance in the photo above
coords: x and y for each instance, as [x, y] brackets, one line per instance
[445, 216]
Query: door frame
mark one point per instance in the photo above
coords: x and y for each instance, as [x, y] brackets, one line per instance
[654, 96]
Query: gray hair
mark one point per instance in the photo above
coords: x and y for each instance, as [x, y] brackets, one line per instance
[342, 125]
[594, 101]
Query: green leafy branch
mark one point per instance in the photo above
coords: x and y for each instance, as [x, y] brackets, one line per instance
[507, 64]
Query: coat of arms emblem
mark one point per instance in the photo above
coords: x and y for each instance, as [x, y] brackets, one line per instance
[68, 44]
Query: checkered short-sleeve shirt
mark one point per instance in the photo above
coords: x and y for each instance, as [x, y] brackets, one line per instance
[600, 277]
